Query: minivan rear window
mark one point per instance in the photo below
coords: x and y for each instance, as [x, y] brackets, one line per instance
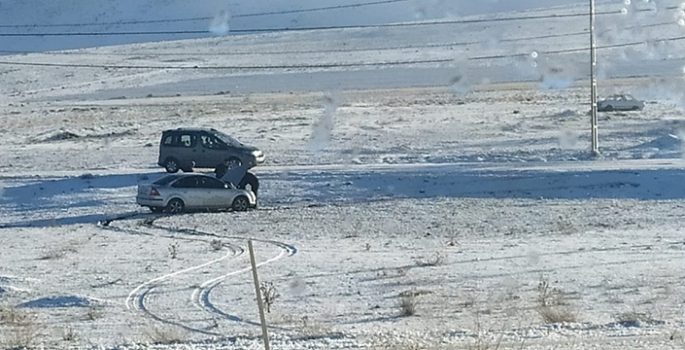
[169, 140]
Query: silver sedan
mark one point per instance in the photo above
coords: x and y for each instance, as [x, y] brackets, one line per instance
[180, 192]
[620, 103]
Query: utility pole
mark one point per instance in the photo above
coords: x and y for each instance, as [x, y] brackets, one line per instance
[260, 304]
[593, 82]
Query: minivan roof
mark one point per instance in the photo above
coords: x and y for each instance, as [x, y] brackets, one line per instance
[190, 129]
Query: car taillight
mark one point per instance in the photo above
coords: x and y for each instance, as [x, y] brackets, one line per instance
[154, 192]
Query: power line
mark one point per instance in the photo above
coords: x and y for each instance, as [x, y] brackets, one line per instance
[287, 52]
[254, 67]
[313, 66]
[563, 51]
[316, 9]
[239, 53]
[196, 19]
[287, 29]
[173, 32]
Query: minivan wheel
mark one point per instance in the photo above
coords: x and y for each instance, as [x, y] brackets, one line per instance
[171, 165]
[240, 204]
[175, 206]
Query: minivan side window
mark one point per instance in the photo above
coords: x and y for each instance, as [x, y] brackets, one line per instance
[188, 140]
[169, 140]
[210, 142]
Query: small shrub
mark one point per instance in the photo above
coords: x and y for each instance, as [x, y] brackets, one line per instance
[164, 335]
[548, 295]
[565, 226]
[407, 304]
[269, 294]
[557, 314]
[173, 250]
[23, 331]
[69, 334]
[486, 339]
[12, 315]
[216, 244]
[367, 246]
[94, 313]
[552, 304]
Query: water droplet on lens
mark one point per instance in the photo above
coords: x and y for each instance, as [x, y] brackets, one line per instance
[534, 54]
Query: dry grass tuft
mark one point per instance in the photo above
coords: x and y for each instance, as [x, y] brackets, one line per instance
[269, 294]
[69, 334]
[165, 335]
[552, 304]
[173, 250]
[407, 305]
[216, 244]
[13, 316]
[557, 314]
[23, 330]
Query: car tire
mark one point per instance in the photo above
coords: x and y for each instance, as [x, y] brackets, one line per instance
[175, 206]
[171, 165]
[240, 204]
[609, 108]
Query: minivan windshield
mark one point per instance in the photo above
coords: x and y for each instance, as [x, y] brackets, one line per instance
[227, 139]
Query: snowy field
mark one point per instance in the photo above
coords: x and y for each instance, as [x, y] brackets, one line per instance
[422, 190]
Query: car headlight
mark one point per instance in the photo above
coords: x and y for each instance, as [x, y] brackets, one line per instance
[257, 153]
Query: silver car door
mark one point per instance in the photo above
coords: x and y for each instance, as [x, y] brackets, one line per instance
[217, 191]
[188, 188]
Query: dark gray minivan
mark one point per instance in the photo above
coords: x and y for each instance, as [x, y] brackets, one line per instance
[188, 148]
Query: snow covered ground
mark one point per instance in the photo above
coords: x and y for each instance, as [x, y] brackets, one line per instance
[418, 206]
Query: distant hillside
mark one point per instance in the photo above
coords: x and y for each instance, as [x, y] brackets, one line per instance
[72, 16]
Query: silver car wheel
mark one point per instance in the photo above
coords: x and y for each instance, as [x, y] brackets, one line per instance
[240, 204]
[175, 206]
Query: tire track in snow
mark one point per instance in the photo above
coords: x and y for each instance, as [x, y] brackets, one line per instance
[201, 295]
[136, 299]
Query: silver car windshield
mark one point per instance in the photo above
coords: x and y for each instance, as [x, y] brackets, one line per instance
[227, 139]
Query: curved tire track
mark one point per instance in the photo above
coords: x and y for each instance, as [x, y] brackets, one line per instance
[201, 296]
[136, 299]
